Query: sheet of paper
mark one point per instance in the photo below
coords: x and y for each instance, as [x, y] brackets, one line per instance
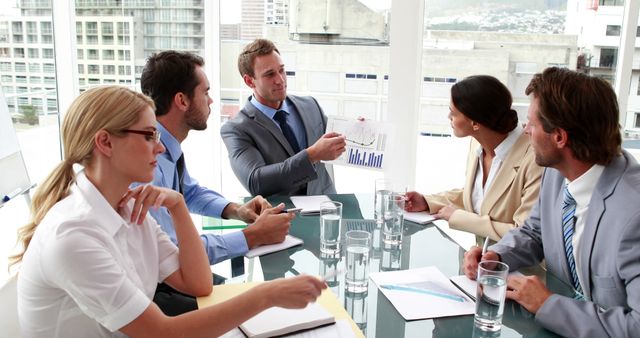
[366, 142]
[434, 296]
[464, 239]
[420, 217]
[469, 286]
[289, 241]
[310, 204]
[341, 329]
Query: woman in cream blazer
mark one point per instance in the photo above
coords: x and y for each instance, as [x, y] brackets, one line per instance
[502, 178]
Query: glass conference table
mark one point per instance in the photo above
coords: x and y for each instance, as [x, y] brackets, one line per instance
[423, 245]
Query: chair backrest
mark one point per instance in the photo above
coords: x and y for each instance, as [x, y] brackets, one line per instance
[9, 308]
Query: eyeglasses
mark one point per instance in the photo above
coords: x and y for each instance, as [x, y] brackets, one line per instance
[149, 135]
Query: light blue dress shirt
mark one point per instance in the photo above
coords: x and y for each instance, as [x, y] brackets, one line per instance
[200, 200]
[293, 119]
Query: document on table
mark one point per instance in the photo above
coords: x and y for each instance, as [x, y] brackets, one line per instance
[423, 293]
[420, 217]
[341, 329]
[289, 241]
[310, 204]
[469, 286]
[464, 239]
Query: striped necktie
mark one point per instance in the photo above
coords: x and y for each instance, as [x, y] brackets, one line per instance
[568, 223]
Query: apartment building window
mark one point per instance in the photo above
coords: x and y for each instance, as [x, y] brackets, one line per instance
[637, 122]
[47, 39]
[92, 27]
[48, 68]
[124, 55]
[124, 70]
[35, 80]
[80, 53]
[34, 53]
[107, 40]
[79, 39]
[611, 2]
[108, 54]
[52, 105]
[32, 27]
[123, 28]
[47, 53]
[16, 27]
[79, 28]
[34, 67]
[92, 54]
[613, 30]
[5, 66]
[6, 78]
[21, 67]
[93, 69]
[92, 39]
[21, 79]
[107, 28]
[46, 28]
[608, 57]
[80, 69]
[18, 52]
[17, 38]
[109, 69]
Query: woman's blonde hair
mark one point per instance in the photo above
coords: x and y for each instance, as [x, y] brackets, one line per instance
[110, 108]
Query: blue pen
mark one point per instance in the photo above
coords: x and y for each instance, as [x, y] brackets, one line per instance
[11, 195]
[423, 291]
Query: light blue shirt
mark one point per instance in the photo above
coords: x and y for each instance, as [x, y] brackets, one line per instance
[200, 200]
[293, 119]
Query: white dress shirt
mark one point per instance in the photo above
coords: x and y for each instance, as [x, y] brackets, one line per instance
[88, 271]
[502, 151]
[581, 189]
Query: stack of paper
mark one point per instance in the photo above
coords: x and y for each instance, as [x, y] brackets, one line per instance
[423, 293]
[420, 217]
[277, 321]
[289, 241]
[310, 204]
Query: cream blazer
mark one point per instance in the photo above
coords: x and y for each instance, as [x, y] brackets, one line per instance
[507, 202]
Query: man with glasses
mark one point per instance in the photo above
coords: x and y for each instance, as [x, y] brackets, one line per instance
[180, 90]
[277, 141]
[586, 224]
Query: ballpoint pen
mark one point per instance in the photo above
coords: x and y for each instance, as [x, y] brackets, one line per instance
[485, 245]
[397, 287]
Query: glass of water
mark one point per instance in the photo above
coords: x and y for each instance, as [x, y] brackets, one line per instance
[490, 295]
[357, 260]
[330, 227]
[392, 219]
[384, 187]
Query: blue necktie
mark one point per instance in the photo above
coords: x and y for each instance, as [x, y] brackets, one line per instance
[568, 223]
[281, 117]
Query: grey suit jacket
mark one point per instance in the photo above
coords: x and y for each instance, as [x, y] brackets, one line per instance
[610, 254]
[263, 160]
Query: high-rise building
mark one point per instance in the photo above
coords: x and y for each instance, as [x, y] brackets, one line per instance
[252, 19]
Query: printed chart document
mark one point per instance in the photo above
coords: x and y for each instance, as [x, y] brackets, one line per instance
[277, 321]
[420, 217]
[423, 293]
[289, 241]
[367, 142]
[310, 204]
[469, 286]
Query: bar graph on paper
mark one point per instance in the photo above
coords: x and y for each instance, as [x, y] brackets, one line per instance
[366, 142]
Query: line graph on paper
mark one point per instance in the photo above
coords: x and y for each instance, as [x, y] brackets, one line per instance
[366, 142]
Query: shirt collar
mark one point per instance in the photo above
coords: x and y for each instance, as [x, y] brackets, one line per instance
[502, 150]
[582, 187]
[170, 143]
[266, 110]
[102, 213]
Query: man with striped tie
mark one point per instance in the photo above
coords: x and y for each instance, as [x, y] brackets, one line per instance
[586, 223]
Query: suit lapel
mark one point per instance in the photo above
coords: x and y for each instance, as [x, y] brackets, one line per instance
[263, 121]
[604, 188]
[506, 174]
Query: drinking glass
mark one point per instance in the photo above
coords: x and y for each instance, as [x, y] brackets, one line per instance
[357, 260]
[490, 295]
[330, 227]
[392, 219]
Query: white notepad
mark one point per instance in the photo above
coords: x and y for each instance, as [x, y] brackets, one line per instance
[278, 321]
[310, 204]
[420, 217]
[289, 241]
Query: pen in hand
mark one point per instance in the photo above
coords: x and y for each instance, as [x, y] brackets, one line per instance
[485, 246]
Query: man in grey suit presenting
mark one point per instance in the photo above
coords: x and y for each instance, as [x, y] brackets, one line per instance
[277, 141]
[586, 224]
